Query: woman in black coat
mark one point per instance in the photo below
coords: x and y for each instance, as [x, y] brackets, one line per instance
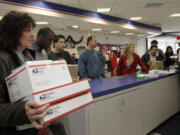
[16, 34]
[169, 61]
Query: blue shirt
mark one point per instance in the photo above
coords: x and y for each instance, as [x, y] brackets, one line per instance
[90, 65]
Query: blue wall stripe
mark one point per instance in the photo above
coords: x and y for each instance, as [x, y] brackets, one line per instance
[80, 12]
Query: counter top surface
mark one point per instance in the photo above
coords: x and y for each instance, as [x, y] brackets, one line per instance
[111, 85]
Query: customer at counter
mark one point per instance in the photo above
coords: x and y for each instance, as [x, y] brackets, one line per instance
[16, 35]
[90, 63]
[169, 61]
[58, 52]
[128, 62]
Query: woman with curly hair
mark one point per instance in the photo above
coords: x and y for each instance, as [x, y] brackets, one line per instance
[16, 35]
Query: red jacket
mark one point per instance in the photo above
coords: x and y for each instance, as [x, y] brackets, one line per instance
[113, 63]
[122, 68]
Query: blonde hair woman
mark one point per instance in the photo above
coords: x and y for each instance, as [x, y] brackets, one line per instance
[128, 62]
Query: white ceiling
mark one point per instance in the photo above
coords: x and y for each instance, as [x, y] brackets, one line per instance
[60, 24]
[130, 8]
[120, 8]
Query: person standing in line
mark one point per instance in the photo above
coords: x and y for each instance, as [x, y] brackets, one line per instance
[90, 63]
[128, 62]
[58, 52]
[45, 37]
[103, 58]
[43, 42]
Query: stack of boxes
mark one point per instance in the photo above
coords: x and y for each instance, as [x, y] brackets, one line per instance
[49, 82]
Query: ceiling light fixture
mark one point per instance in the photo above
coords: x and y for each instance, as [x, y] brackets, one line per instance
[129, 27]
[42, 23]
[175, 15]
[114, 31]
[95, 29]
[153, 33]
[140, 35]
[103, 10]
[128, 34]
[75, 26]
[135, 18]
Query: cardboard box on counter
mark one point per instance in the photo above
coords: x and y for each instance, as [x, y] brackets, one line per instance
[67, 106]
[36, 76]
[159, 65]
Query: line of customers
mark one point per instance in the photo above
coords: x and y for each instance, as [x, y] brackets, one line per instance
[90, 63]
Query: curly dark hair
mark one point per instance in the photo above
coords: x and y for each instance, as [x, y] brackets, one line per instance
[12, 26]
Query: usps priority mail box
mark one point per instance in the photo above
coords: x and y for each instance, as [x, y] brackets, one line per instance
[62, 92]
[36, 76]
[67, 106]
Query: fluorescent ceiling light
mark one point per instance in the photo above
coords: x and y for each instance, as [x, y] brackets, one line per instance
[129, 27]
[94, 29]
[135, 18]
[103, 10]
[114, 31]
[153, 33]
[129, 34]
[42, 23]
[175, 15]
[94, 21]
[140, 35]
[75, 26]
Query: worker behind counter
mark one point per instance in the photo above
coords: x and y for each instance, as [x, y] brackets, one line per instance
[170, 58]
[152, 56]
[160, 55]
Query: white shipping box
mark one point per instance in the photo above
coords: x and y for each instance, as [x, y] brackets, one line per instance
[63, 108]
[60, 93]
[36, 76]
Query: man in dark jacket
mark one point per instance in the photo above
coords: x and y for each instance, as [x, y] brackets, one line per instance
[58, 53]
[159, 52]
[147, 58]
[42, 44]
